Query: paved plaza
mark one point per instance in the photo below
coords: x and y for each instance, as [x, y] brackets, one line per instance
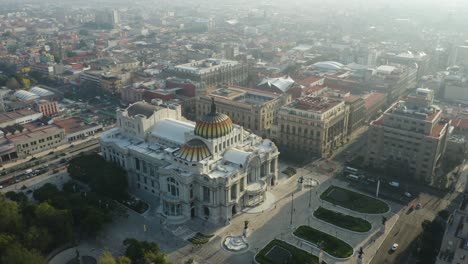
[273, 220]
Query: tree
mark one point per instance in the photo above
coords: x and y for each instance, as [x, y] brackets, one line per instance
[3, 79]
[7, 68]
[107, 258]
[123, 260]
[93, 220]
[84, 32]
[71, 54]
[37, 238]
[46, 192]
[10, 217]
[16, 254]
[144, 252]
[12, 48]
[103, 177]
[83, 44]
[12, 84]
[59, 223]
[7, 34]
[17, 197]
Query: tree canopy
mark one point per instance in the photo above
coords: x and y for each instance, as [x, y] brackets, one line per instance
[103, 177]
[107, 258]
[144, 252]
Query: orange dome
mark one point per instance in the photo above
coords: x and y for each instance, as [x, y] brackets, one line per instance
[214, 124]
[194, 150]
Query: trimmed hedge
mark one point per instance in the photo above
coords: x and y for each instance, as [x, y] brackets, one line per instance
[330, 244]
[342, 220]
[354, 201]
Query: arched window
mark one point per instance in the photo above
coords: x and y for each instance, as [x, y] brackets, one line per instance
[173, 187]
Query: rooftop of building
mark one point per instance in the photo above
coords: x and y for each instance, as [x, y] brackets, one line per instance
[351, 98]
[205, 66]
[438, 128]
[243, 95]
[460, 122]
[25, 95]
[10, 116]
[33, 131]
[402, 108]
[40, 91]
[74, 124]
[282, 83]
[372, 98]
[316, 104]
[311, 79]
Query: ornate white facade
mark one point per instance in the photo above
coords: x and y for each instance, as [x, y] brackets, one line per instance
[211, 170]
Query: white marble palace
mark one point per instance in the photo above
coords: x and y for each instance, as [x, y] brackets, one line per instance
[211, 170]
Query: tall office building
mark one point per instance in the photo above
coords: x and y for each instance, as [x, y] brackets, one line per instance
[459, 56]
[410, 136]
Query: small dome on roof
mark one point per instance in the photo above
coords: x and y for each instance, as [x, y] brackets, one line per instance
[214, 124]
[141, 108]
[194, 150]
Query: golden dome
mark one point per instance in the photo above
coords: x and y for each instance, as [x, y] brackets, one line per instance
[194, 150]
[214, 124]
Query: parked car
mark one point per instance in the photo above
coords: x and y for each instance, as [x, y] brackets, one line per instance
[407, 194]
[419, 206]
[394, 184]
[394, 247]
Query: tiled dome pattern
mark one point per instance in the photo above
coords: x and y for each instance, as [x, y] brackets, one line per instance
[194, 150]
[214, 124]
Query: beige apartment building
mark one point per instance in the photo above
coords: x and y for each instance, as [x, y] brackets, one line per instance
[313, 125]
[35, 139]
[253, 109]
[410, 136]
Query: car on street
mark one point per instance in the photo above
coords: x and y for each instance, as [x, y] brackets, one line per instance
[407, 194]
[418, 206]
[394, 247]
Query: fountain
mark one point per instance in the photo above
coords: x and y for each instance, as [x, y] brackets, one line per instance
[237, 243]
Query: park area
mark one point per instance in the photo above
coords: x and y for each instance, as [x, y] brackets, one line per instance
[330, 244]
[354, 201]
[280, 252]
[352, 223]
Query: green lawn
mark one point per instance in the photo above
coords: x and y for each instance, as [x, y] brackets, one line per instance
[332, 245]
[267, 256]
[342, 220]
[354, 201]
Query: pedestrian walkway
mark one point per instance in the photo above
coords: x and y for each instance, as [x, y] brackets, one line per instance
[267, 204]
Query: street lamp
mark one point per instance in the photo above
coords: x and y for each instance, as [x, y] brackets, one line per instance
[292, 209]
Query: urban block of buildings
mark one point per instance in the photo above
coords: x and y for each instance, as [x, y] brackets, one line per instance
[210, 73]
